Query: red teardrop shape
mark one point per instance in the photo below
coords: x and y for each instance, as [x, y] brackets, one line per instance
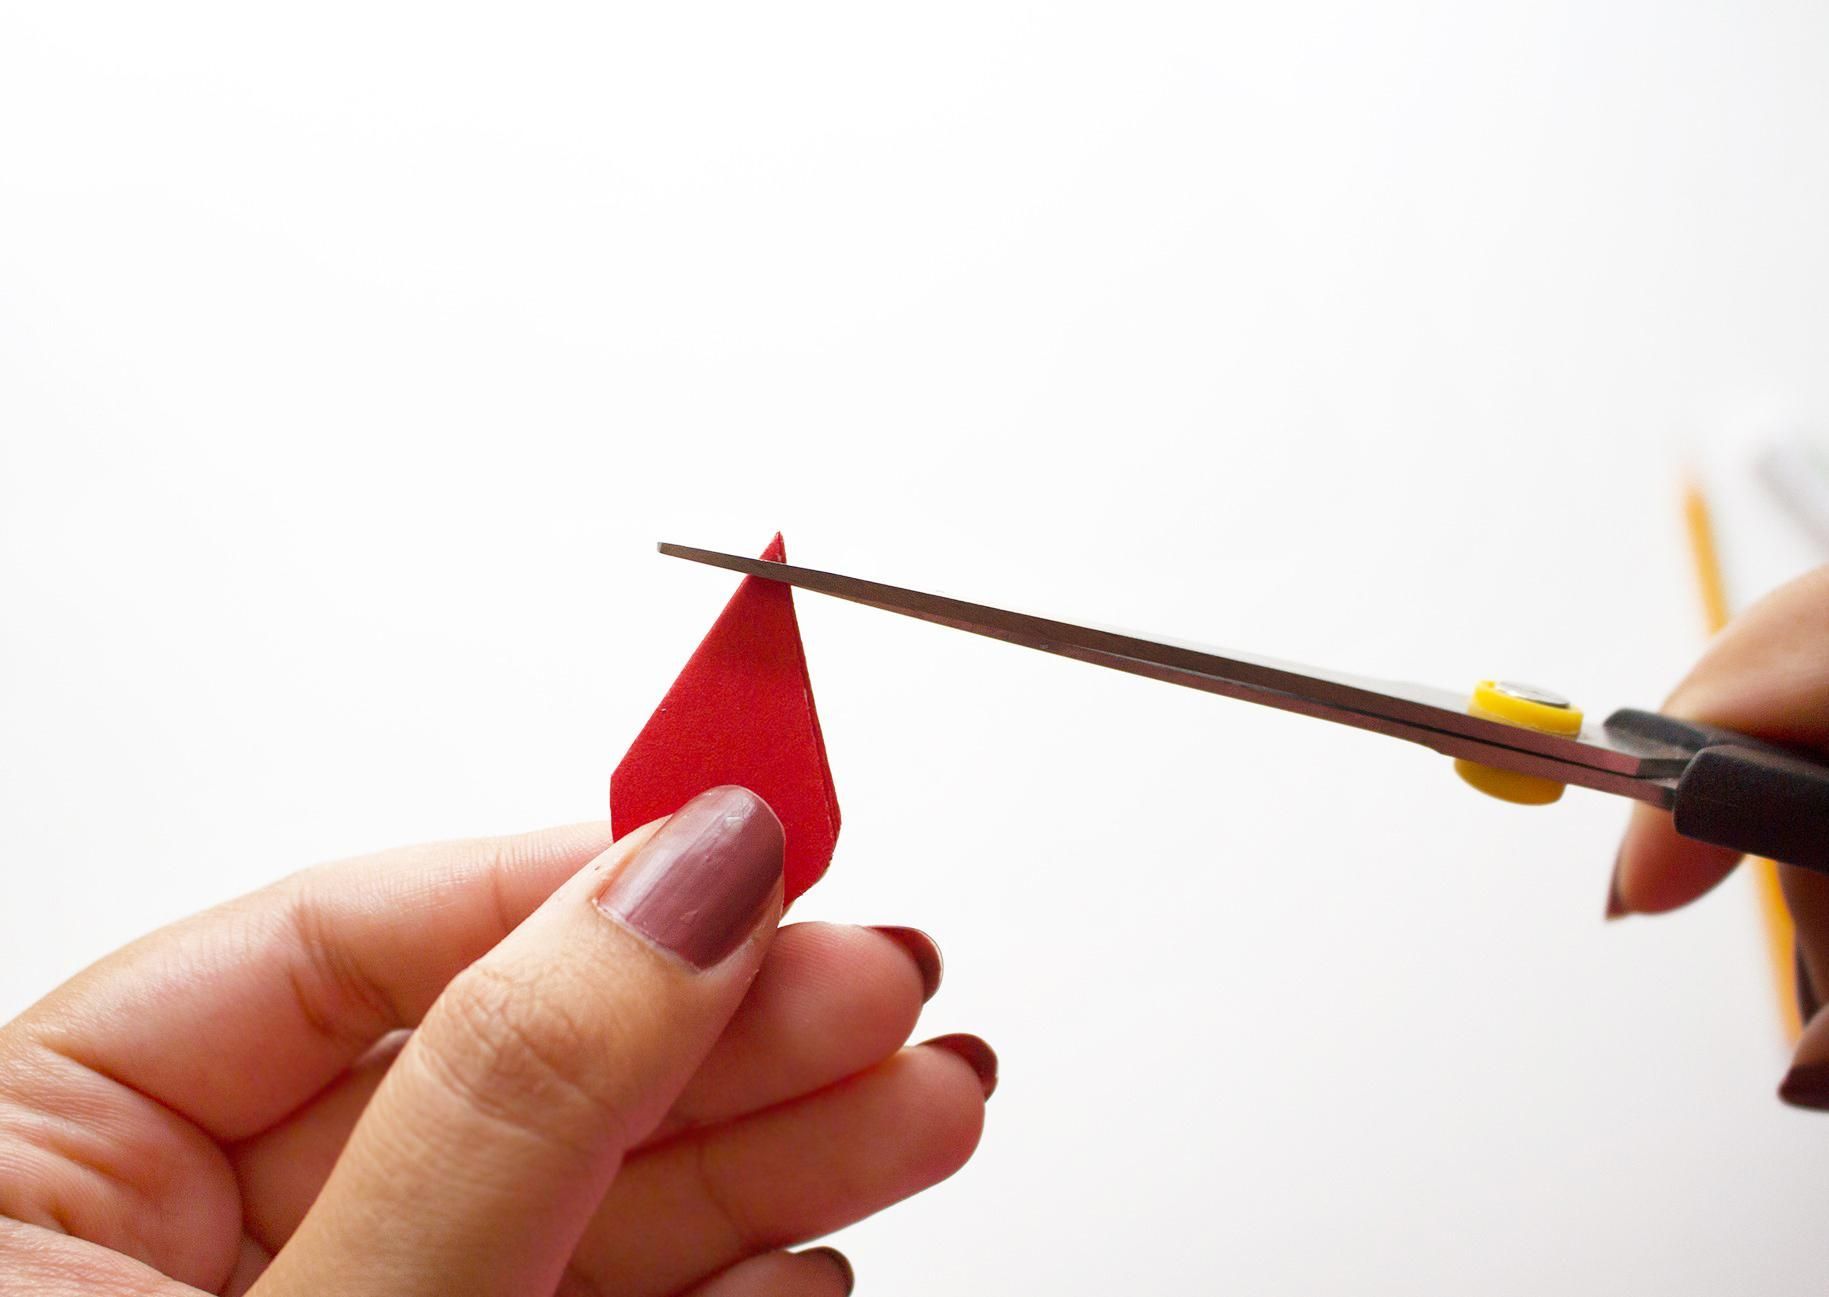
[740, 713]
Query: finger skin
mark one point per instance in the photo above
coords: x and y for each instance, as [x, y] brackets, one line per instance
[1659, 870]
[820, 1272]
[1766, 675]
[236, 1016]
[830, 1001]
[497, 1131]
[690, 1206]
[36, 1262]
[112, 1086]
[796, 1172]
[86, 1156]
[281, 1172]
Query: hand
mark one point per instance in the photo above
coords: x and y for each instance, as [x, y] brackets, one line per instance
[620, 1078]
[1766, 675]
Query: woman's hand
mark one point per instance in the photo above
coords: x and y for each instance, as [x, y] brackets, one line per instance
[1766, 675]
[620, 1078]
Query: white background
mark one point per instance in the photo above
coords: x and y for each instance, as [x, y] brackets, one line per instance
[353, 357]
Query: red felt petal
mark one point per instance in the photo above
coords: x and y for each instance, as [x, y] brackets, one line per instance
[740, 713]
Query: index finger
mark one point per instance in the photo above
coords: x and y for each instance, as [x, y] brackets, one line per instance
[236, 1016]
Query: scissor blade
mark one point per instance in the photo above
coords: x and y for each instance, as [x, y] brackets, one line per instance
[1430, 716]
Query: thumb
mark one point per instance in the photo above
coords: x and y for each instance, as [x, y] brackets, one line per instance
[483, 1155]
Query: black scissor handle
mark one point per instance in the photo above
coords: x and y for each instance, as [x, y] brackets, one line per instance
[1741, 792]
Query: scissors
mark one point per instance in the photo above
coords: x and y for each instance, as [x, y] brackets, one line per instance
[1513, 741]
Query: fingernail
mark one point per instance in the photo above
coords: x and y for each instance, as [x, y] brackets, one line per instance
[925, 952]
[838, 1259]
[702, 881]
[1807, 1003]
[982, 1057]
[1616, 906]
[1806, 1086]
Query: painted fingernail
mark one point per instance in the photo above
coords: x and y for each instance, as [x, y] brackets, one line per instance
[982, 1057]
[1616, 906]
[840, 1261]
[1806, 1086]
[700, 884]
[925, 952]
[1807, 1003]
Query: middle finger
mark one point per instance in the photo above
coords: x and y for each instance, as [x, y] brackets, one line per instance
[830, 1001]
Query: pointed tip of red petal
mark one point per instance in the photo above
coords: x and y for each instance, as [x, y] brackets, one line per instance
[740, 713]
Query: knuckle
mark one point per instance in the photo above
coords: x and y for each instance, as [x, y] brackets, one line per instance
[509, 1049]
[744, 1234]
[336, 996]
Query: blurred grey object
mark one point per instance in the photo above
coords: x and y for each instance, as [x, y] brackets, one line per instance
[1796, 473]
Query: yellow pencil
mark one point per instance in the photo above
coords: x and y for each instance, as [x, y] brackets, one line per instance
[1775, 917]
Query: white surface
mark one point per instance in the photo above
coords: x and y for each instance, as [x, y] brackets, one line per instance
[352, 360]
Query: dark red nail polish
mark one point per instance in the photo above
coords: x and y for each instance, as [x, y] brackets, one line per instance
[700, 884]
[982, 1057]
[1807, 1001]
[1806, 1086]
[838, 1259]
[925, 952]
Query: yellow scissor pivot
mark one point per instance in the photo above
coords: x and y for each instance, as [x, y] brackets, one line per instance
[1529, 708]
